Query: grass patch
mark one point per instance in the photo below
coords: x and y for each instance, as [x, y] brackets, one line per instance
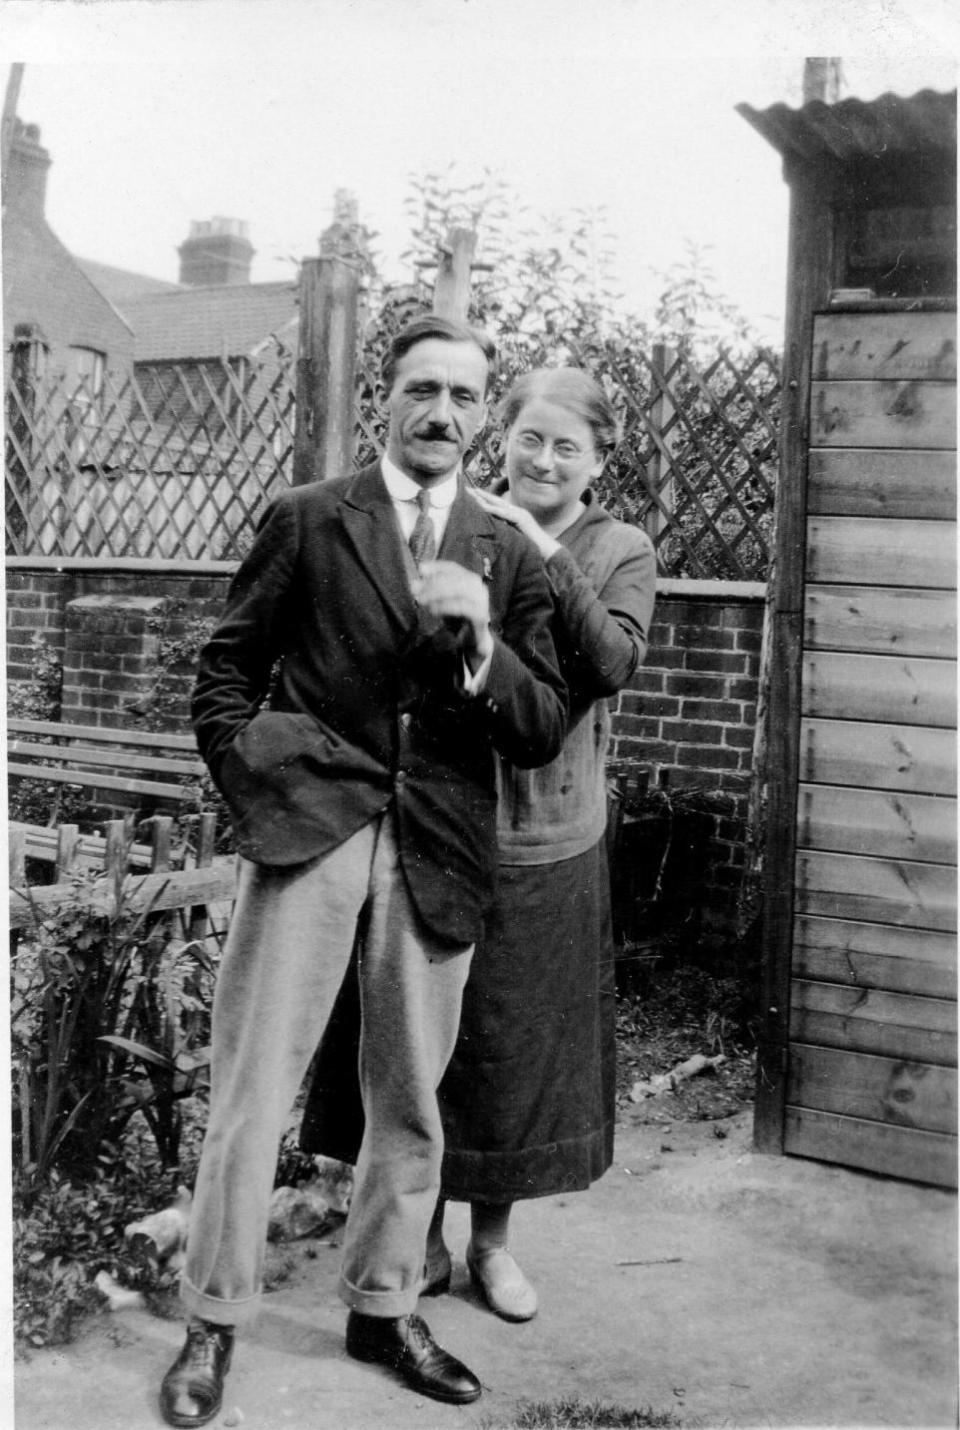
[573, 1414]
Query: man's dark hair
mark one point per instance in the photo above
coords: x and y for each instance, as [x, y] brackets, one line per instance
[432, 326]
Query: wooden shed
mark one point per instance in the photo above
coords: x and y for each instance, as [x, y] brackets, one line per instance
[858, 1048]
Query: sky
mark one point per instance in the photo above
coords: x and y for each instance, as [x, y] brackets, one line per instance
[160, 112]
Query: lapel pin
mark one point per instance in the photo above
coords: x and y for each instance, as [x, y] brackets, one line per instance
[487, 568]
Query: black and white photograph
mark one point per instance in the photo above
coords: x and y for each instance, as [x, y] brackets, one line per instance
[481, 740]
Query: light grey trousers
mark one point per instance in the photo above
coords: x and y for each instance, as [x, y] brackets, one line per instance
[288, 946]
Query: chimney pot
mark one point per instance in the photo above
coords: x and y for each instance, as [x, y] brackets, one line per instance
[217, 252]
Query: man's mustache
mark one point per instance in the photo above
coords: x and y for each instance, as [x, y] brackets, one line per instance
[435, 432]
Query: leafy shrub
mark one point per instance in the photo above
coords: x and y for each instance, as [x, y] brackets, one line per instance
[38, 697]
[65, 1232]
[110, 1017]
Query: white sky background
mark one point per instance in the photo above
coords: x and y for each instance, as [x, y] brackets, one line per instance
[159, 113]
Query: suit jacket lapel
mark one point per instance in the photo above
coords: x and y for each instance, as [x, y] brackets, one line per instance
[370, 523]
[371, 526]
[470, 537]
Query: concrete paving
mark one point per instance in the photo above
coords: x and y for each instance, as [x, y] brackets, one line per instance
[696, 1277]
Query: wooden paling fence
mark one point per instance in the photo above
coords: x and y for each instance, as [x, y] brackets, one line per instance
[178, 460]
[189, 891]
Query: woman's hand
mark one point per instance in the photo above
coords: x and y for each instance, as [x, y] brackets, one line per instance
[519, 517]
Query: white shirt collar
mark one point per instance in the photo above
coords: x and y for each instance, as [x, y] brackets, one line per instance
[404, 488]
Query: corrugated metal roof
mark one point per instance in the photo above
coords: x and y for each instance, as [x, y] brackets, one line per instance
[219, 321]
[855, 128]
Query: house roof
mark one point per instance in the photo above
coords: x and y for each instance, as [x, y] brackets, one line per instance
[120, 285]
[220, 321]
[891, 125]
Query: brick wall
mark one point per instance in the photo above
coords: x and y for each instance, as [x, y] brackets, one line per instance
[688, 714]
[110, 625]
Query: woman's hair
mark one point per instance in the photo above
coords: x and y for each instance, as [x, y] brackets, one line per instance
[568, 387]
[432, 326]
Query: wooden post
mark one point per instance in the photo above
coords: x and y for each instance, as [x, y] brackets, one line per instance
[116, 848]
[326, 366]
[810, 264]
[197, 919]
[68, 838]
[663, 422]
[822, 79]
[16, 856]
[161, 838]
[451, 291]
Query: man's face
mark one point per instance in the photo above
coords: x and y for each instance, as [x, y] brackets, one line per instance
[435, 406]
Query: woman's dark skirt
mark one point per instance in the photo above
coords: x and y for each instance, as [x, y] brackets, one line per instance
[528, 1100]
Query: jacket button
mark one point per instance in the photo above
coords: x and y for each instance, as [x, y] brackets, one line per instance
[406, 719]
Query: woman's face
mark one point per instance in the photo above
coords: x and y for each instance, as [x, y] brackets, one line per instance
[551, 459]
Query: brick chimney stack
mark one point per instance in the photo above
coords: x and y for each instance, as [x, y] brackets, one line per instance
[217, 252]
[26, 186]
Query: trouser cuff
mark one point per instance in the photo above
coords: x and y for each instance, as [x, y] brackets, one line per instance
[216, 1310]
[389, 1304]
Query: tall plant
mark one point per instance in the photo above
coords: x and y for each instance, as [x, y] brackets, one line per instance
[109, 1018]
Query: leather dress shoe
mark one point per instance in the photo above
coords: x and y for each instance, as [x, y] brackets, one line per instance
[502, 1284]
[437, 1274]
[192, 1389]
[405, 1345]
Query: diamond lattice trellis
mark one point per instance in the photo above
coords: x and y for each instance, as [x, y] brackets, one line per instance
[179, 461]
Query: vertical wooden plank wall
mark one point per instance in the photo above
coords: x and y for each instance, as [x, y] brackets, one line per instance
[871, 1066]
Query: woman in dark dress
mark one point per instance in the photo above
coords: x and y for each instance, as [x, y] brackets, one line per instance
[528, 1099]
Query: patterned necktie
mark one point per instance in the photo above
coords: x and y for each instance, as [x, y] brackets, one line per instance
[423, 538]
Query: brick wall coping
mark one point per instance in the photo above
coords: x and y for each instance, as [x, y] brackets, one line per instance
[713, 590]
[143, 565]
[685, 589]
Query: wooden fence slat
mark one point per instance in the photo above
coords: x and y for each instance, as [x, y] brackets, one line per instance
[161, 842]
[878, 822]
[68, 840]
[149, 892]
[863, 955]
[205, 838]
[895, 891]
[881, 619]
[115, 852]
[884, 346]
[883, 414]
[878, 756]
[878, 1147]
[902, 690]
[892, 1090]
[16, 855]
[892, 551]
[860, 482]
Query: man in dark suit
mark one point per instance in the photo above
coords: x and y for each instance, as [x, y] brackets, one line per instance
[403, 636]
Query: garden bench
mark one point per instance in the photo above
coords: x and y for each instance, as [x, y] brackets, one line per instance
[163, 767]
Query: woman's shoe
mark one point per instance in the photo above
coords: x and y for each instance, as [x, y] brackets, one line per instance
[505, 1288]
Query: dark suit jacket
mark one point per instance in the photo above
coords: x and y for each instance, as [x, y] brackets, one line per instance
[367, 706]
